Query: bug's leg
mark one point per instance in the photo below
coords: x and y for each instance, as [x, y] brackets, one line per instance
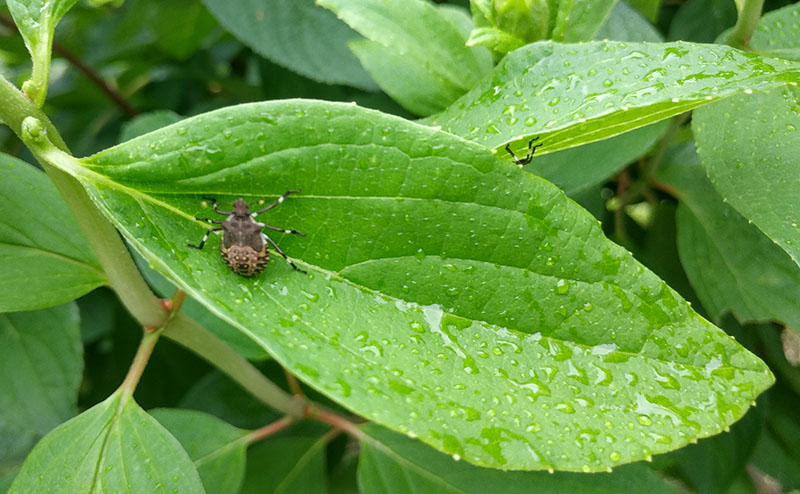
[216, 206]
[275, 246]
[205, 237]
[280, 200]
[218, 222]
[527, 159]
[264, 225]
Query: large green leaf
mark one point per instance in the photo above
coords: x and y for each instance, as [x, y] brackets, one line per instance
[44, 258]
[296, 34]
[112, 447]
[574, 94]
[391, 463]
[409, 41]
[731, 264]
[449, 295]
[36, 21]
[748, 146]
[40, 371]
[286, 465]
[217, 449]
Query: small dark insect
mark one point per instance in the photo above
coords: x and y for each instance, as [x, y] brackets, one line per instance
[527, 159]
[244, 244]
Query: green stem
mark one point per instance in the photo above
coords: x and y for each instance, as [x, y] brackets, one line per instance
[122, 273]
[187, 332]
[139, 363]
[749, 15]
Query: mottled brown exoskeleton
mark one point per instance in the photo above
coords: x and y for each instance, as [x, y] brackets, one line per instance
[244, 244]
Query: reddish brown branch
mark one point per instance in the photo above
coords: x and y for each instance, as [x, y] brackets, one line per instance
[93, 76]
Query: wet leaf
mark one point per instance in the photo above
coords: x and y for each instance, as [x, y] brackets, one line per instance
[40, 371]
[36, 21]
[778, 33]
[296, 34]
[409, 41]
[112, 447]
[44, 258]
[748, 146]
[575, 94]
[216, 448]
[730, 263]
[449, 295]
[391, 463]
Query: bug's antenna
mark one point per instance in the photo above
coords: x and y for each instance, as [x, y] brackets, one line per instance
[529, 157]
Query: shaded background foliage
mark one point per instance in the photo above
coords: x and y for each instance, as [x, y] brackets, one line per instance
[119, 72]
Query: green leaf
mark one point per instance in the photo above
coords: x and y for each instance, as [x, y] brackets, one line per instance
[731, 264]
[296, 34]
[392, 463]
[448, 294]
[575, 94]
[579, 20]
[180, 39]
[494, 39]
[286, 465]
[217, 449]
[218, 395]
[702, 20]
[648, 8]
[748, 146]
[778, 33]
[44, 258]
[36, 21]
[626, 24]
[578, 169]
[40, 370]
[411, 40]
[112, 447]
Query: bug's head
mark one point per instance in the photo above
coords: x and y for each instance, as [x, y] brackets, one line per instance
[240, 208]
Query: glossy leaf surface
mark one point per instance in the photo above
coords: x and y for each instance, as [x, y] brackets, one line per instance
[112, 447]
[569, 95]
[216, 448]
[391, 463]
[44, 258]
[414, 50]
[748, 146]
[731, 264]
[40, 371]
[296, 34]
[449, 295]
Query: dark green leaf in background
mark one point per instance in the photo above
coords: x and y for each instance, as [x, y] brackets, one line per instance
[286, 465]
[112, 447]
[296, 34]
[648, 8]
[575, 94]
[414, 50]
[778, 33]
[216, 448]
[579, 20]
[44, 258]
[391, 463]
[626, 24]
[702, 20]
[748, 146]
[40, 370]
[427, 258]
[718, 248]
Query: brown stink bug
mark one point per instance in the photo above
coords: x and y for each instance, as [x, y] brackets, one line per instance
[244, 244]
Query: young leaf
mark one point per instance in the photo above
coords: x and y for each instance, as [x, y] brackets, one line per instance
[731, 264]
[112, 447]
[286, 465]
[626, 24]
[40, 371]
[579, 20]
[748, 146]
[409, 40]
[296, 34]
[391, 463]
[575, 94]
[44, 258]
[448, 294]
[217, 449]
